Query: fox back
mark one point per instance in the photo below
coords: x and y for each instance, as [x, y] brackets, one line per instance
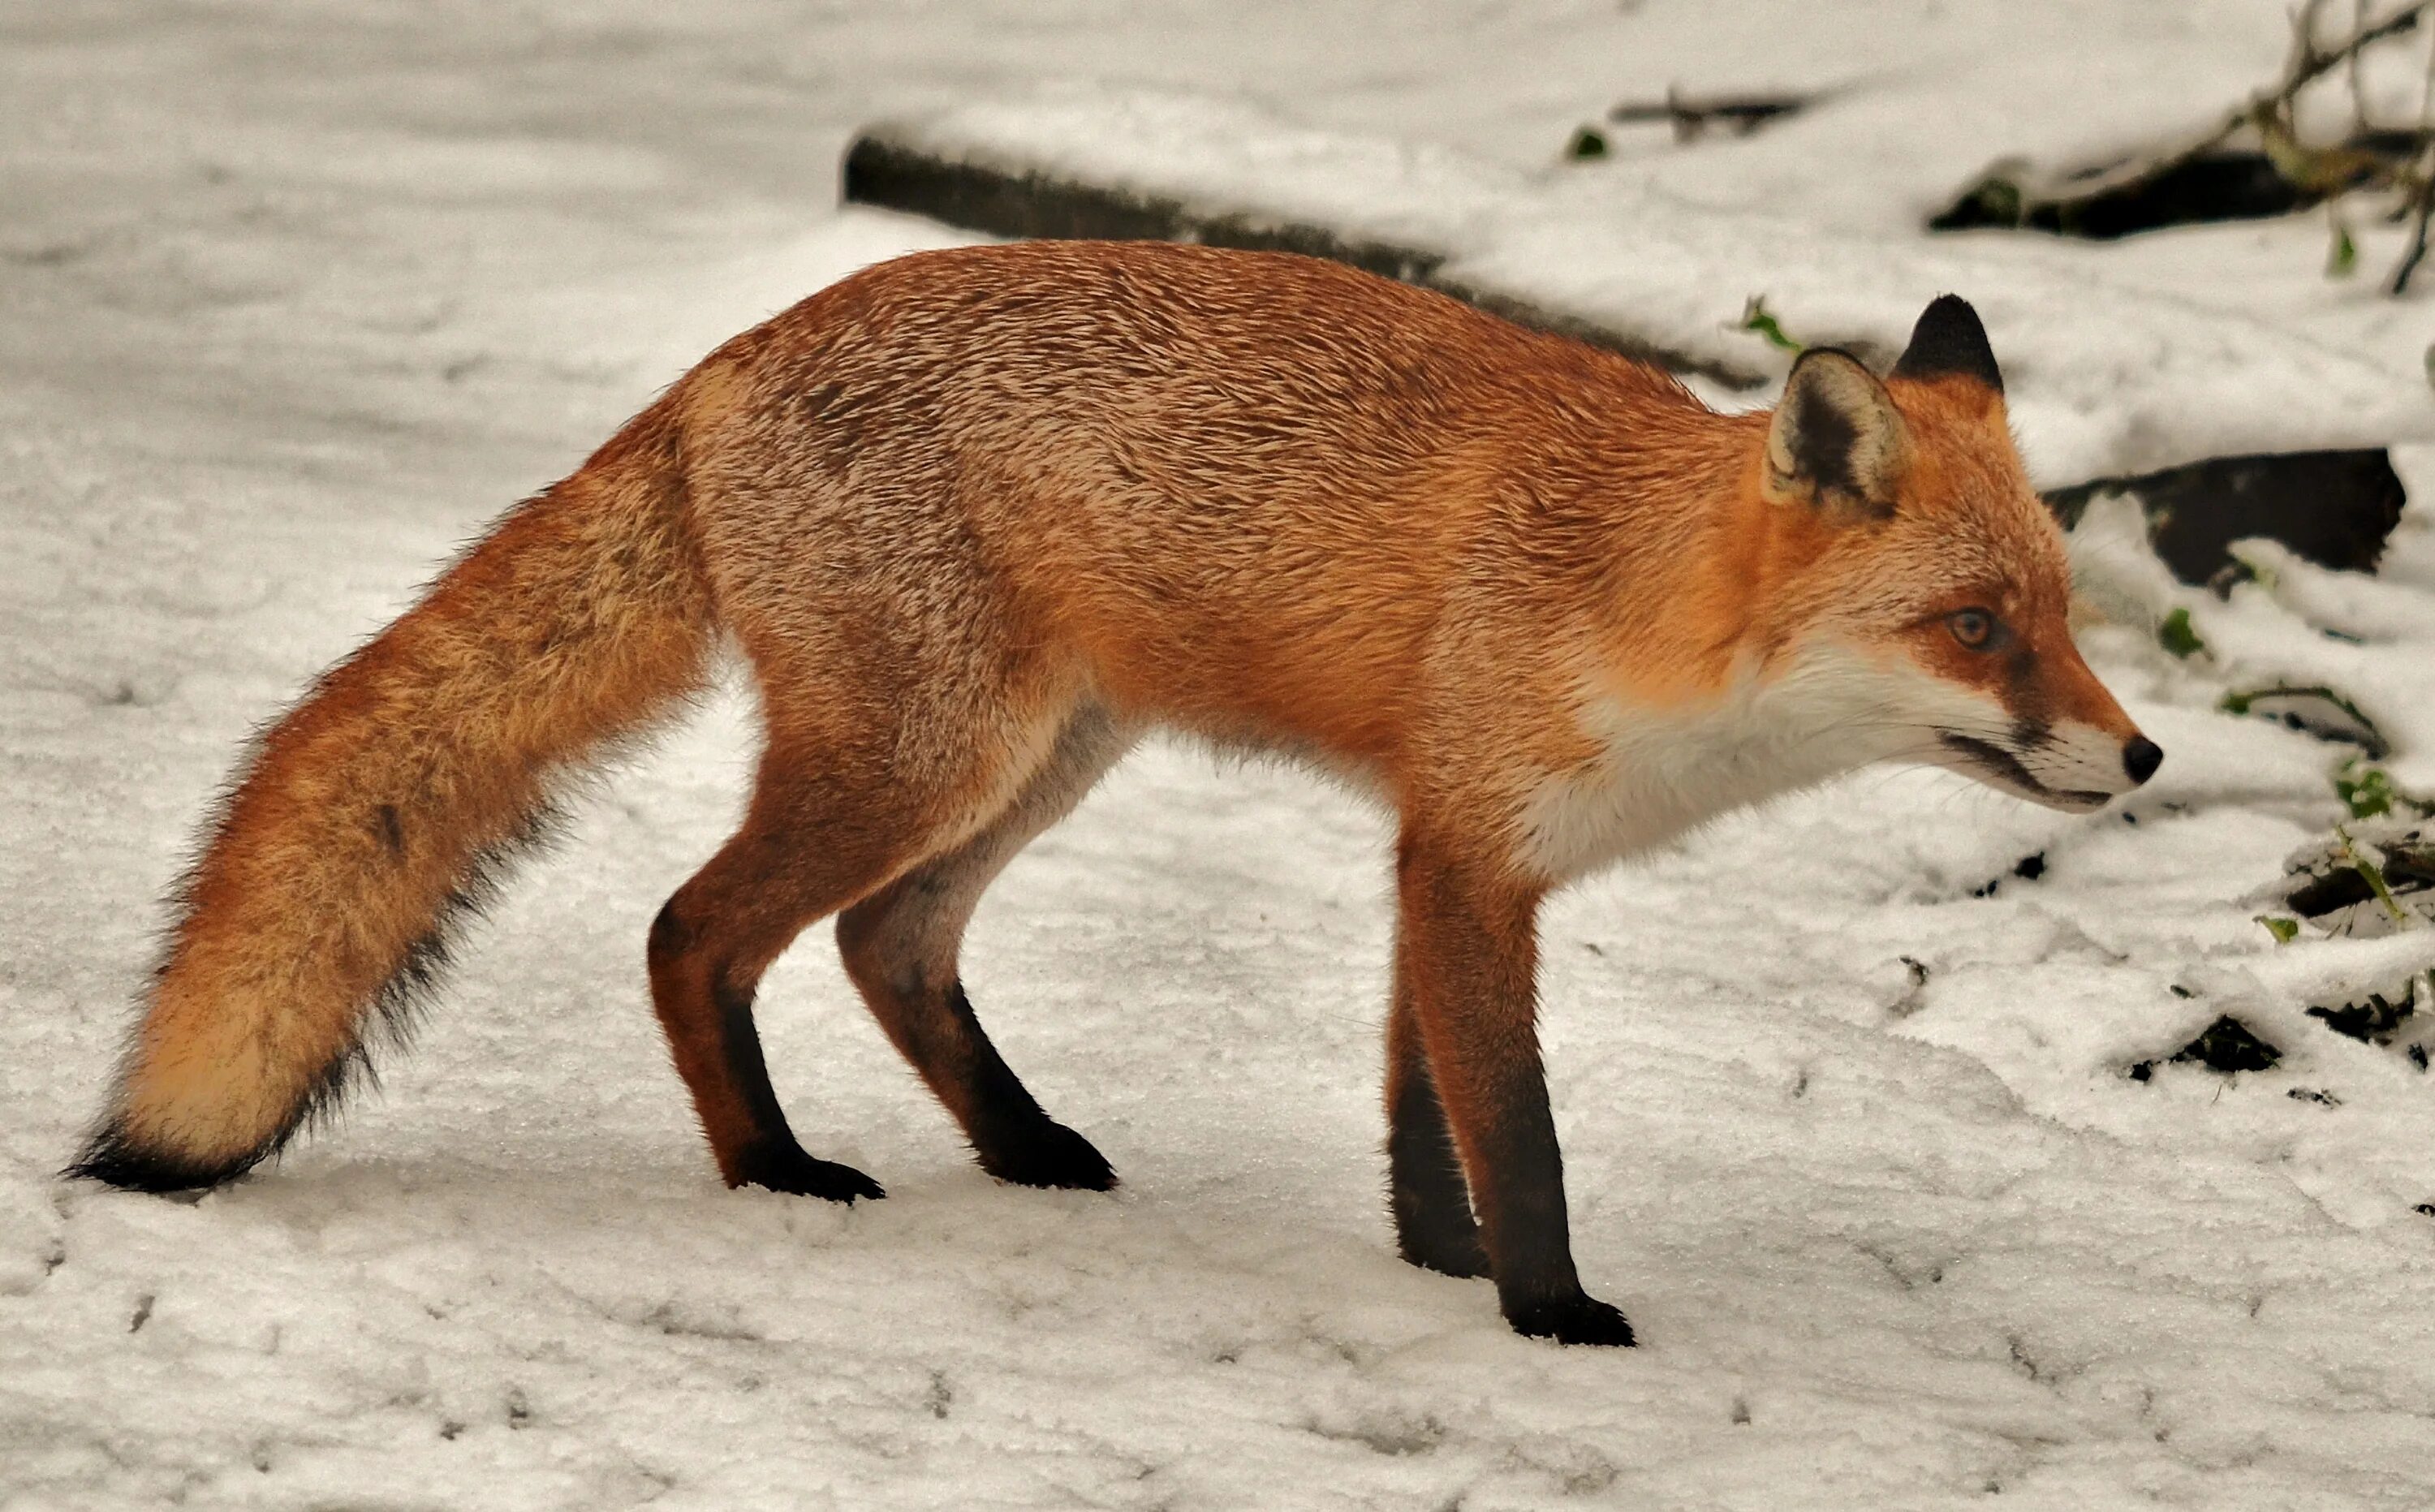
[1280, 503]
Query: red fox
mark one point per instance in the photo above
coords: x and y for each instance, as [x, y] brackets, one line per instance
[979, 519]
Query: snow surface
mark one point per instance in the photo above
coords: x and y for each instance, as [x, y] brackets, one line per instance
[293, 297]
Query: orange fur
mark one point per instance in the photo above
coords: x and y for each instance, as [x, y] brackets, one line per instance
[977, 518]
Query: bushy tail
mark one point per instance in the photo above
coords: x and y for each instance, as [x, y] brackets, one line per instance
[380, 807]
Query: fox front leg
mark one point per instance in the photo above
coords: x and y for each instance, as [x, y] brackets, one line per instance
[1466, 954]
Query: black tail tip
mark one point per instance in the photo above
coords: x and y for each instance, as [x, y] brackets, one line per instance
[115, 1159]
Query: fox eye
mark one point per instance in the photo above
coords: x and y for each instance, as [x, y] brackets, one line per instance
[1974, 627]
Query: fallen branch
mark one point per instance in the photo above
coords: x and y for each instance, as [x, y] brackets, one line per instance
[2307, 64]
[2282, 171]
[1690, 115]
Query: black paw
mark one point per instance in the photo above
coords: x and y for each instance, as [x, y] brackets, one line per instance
[1577, 1319]
[1047, 1153]
[786, 1168]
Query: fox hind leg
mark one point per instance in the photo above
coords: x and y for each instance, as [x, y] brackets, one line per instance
[1426, 1190]
[901, 947]
[832, 818]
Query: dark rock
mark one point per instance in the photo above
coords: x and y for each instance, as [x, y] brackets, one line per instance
[2409, 862]
[2319, 896]
[2226, 183]
[2341, 871]
[2334, 507]
[2227, 1046]
[2213, 186]
[2374, 1022]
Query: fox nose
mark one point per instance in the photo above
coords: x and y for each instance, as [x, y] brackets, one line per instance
[2141, 757]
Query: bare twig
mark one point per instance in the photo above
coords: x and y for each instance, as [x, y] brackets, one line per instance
[1691, 116]
[2418, 184]
[2397, 163]
[2417, 251]
[2358, 82]
[2269, 112]
[2310, 62]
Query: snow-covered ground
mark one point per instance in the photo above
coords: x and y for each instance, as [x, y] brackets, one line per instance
[292, 298]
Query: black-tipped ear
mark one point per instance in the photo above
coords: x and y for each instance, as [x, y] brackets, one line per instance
[1949, 342]
[1835, 440]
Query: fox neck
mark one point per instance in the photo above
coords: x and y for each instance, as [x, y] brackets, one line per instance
[1709, 693]
[1700, 569]
[1661, 769]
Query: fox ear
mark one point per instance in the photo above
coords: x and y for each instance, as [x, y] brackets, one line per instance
[1836, 441]
[1949, 342]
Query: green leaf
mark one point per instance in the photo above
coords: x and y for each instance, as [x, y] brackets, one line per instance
[2290, 159]
[2370, 792]
[2284, 930]
[2176, 636]
[1757, 319]
[2369, 795]
[2374, 875]
[2341, 258]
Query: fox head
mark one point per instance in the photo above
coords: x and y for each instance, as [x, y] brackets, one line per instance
[1915, 554]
